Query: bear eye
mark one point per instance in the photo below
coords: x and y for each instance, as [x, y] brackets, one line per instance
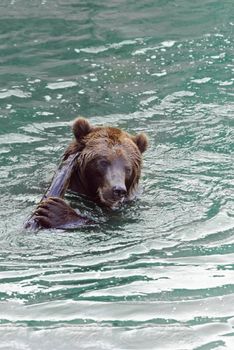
[128, 170]
[103, 163]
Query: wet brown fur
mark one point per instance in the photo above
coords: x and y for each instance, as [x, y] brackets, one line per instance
[121, 154]
[108, 143]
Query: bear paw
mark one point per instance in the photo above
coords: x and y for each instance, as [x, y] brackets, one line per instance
[54, 212]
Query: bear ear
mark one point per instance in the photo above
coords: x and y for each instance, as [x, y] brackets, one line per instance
[141, 141]
[81, 128]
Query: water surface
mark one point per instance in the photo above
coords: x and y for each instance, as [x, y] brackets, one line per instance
[159, 273]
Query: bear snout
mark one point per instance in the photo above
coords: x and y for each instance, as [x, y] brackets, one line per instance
[119, 192]
[112, 196]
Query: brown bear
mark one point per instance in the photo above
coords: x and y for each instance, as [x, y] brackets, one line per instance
[107, 171]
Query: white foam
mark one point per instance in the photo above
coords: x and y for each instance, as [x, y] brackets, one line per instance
[14, 92]
[162, 45]
[61, 85]
[201, 81]
[98, 49]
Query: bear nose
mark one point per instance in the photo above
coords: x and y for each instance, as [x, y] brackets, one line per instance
[119, 191]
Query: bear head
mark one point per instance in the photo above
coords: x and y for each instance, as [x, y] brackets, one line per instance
[109, 165]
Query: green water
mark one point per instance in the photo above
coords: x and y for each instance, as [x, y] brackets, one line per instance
[159, 273]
